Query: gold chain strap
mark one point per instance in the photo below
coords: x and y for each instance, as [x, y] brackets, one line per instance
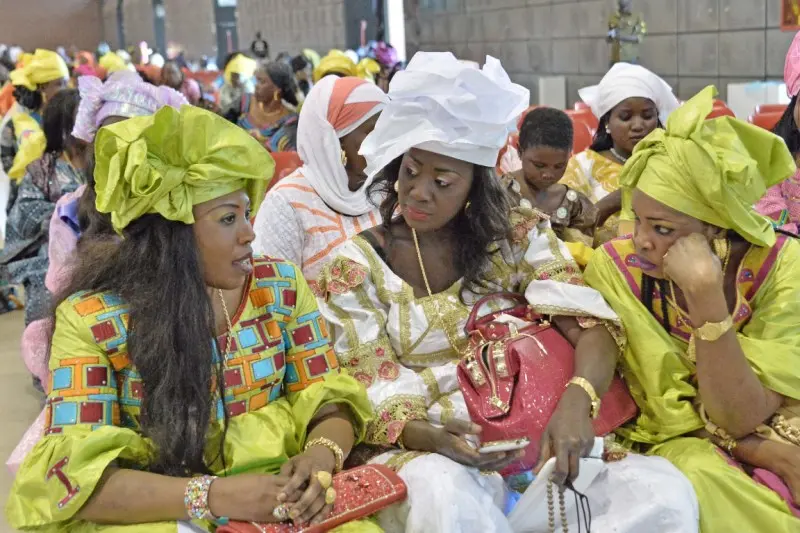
[551, 511]
[453, 343]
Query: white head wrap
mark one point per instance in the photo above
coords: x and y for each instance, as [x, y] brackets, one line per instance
[625, 81]
[445, 106]
[318, 141]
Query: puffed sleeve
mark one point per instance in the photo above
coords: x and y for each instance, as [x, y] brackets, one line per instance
[313, 378]
[83, 432]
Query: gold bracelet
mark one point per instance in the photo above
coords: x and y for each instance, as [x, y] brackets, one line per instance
[589, 389]
[332, 446]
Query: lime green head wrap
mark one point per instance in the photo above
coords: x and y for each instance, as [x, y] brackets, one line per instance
[168, 162]
[712, 170]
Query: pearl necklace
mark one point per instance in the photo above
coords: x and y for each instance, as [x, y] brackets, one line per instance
[618, 156]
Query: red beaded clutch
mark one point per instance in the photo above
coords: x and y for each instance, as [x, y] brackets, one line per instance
[361, 492]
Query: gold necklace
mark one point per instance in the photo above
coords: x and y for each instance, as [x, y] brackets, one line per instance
[229, 336]
[453, 343]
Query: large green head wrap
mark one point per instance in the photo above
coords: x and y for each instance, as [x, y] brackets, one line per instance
[712, 170]
[168, 162]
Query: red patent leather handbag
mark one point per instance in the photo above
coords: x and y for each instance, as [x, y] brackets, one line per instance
[361, 492]
[512, 378]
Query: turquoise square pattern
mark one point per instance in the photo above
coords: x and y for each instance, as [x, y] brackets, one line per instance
[62, 378]
[65, 413]
[247, 338]
[291, 374]
[262, 369]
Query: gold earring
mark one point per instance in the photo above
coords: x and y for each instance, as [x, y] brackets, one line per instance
[466, 207]
[397, 186]
[276, 96]
[722, 248]
[344, 158]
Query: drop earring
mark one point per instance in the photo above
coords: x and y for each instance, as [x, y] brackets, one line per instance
[344, 158]
[722, 249]
[397, 187]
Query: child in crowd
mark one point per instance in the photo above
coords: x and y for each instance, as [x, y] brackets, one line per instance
[545, 147]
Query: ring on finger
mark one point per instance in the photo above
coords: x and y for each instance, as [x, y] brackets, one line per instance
[281, 512]
[330, 496]
[325, 479]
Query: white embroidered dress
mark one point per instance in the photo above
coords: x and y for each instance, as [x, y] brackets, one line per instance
[295, 224]
[400, 347]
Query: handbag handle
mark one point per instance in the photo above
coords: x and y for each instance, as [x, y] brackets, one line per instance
[473, 316]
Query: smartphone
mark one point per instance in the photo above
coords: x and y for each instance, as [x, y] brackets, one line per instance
[504, 446]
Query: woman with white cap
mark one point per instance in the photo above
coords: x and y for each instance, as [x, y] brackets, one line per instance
[630, 102]
[398, 295]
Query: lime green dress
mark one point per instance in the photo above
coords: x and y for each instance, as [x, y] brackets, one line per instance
[279, 372]
[660, 376]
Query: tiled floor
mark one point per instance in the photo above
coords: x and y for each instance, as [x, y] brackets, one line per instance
[19, 400]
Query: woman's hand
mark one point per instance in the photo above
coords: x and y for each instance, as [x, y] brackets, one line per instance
[787, 466]
[607, 206]
[692, 265]
[246, 497]
[303, 492]
[569, 435]
[450, 442]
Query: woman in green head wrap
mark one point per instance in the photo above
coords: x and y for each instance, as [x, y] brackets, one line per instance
[177, 356]
[710, 298]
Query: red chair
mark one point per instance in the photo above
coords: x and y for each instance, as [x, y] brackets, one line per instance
[765, 120]
[770, 108]
[580, 106]
[720, 112]
[586, 116]
[285, 164]
[582, 138]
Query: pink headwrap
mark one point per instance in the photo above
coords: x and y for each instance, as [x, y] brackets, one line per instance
[124, 94]
[791, 71]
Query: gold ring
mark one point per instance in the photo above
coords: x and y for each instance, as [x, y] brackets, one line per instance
[330, 496]
[325, 479]
[281, 512]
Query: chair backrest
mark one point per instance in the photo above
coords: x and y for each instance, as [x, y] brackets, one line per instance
[586, 116]
[720, 112]
[582, 137]
[770, 108]
[285, 164]
[766, 120]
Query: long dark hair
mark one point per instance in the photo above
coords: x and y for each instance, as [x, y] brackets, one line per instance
[59, 119]
[787, 129]
[282, 76]
[483, 223]
[169, 339]
[27, 98]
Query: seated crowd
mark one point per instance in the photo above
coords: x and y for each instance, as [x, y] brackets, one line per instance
[215, 351]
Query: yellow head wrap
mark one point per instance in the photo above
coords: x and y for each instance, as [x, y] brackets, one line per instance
[312, 56]
[712, 170]
[242, 65]
[112, 63]
[335, 62]
[368, 68]
[43, 67]
[168, 162]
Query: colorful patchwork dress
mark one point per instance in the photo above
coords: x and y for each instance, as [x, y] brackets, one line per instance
[662, 378]
[279, 372]
[405, 350]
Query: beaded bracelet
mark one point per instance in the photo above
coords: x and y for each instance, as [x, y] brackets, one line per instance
[333, 447]
[195, 499]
